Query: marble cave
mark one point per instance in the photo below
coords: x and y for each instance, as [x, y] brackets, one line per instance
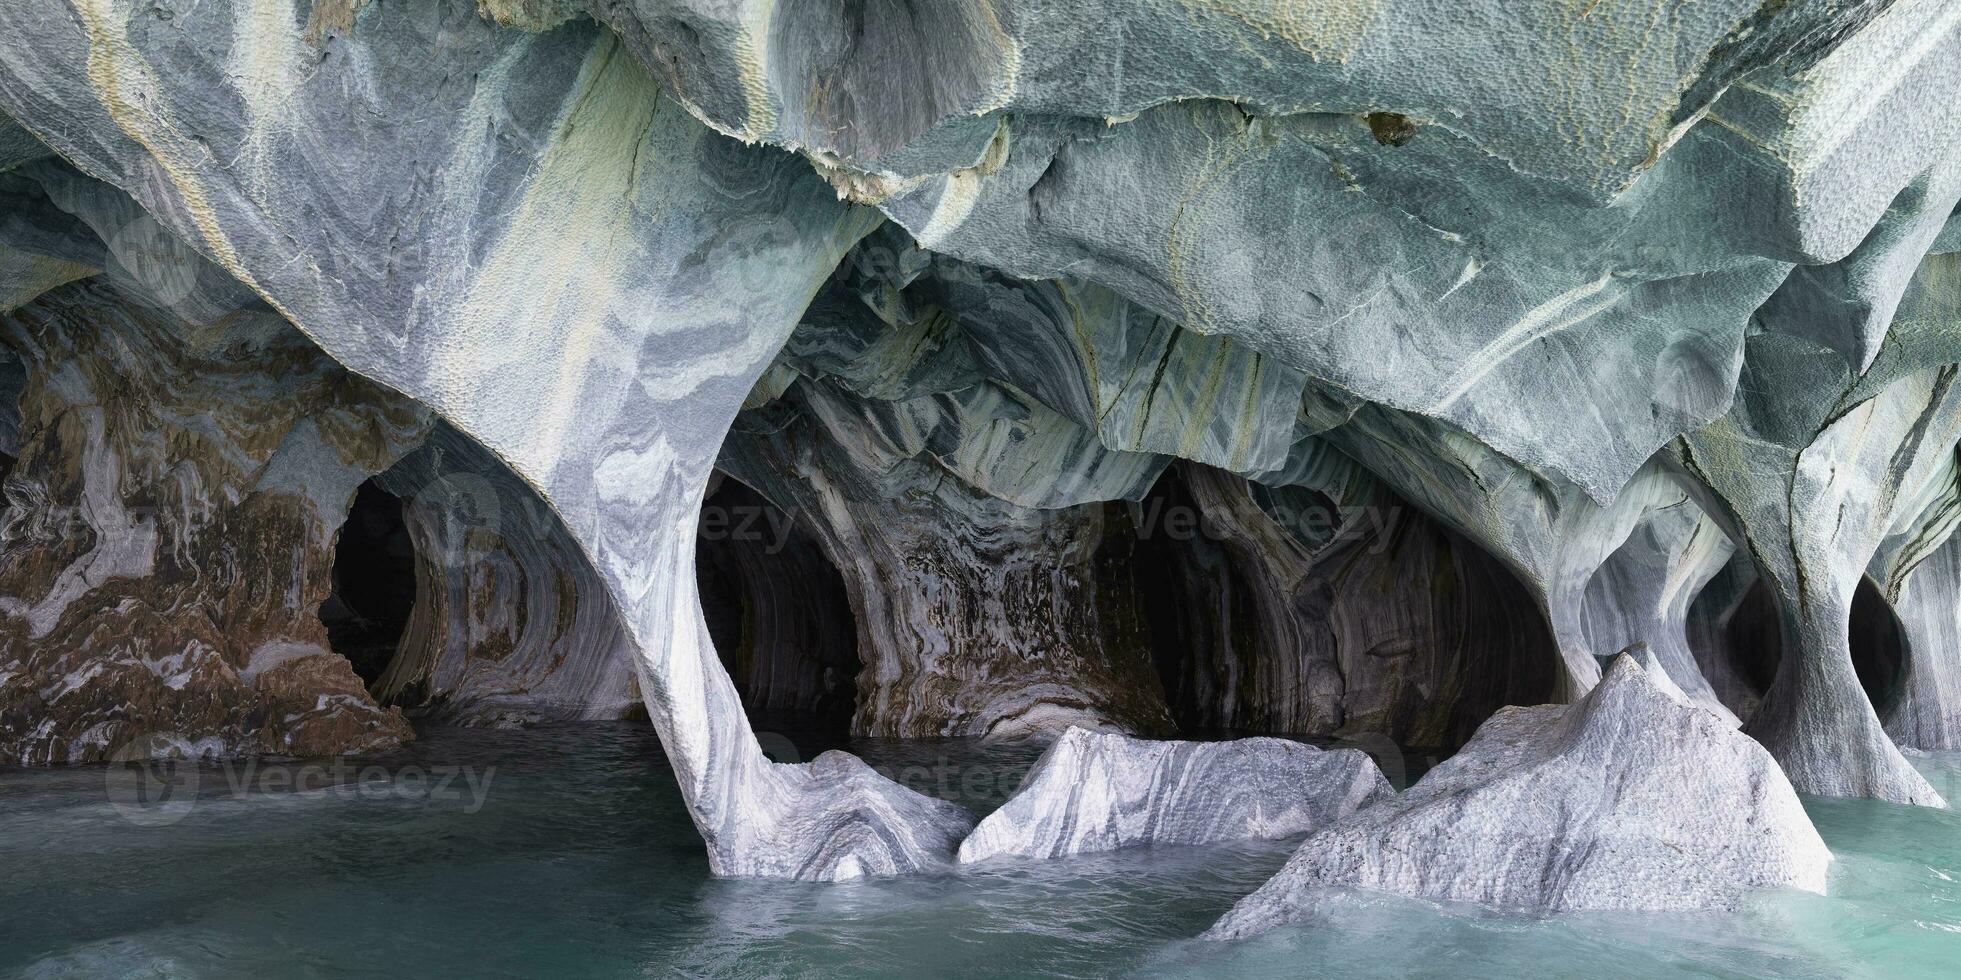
[604, 488]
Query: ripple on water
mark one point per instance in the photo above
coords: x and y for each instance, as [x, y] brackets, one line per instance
[580, 861]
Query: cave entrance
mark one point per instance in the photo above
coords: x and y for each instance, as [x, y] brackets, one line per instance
[779, 615]
[1746, 641]
[373, 583]
[1879, 647]
[1395, 630]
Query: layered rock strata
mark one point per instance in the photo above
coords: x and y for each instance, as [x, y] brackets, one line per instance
[1368, 618]
[1103, 791]
[170, 534]
[779, 612]
[539, 246]
[1700, 279]
[510, 625]
[975, 615]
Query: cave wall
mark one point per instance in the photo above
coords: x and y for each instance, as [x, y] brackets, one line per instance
[1369, 618]
[975, 615]
[1707, 263]
[511, 625]
[779, 613]
[1926, 713]
[170, 534]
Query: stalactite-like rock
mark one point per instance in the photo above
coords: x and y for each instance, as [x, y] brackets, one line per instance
[1595, 290]
[1553, 535]
[538, 244]
[172, 530]
[1102, 791]
[511, 623]
[1814, 487]
[1630, 799]
[1812, 536]
[1409, 285]
[1643, 593]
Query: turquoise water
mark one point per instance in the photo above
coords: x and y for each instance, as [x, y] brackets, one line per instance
[570, 855]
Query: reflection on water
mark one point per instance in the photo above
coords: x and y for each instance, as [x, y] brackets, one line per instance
[571, 855]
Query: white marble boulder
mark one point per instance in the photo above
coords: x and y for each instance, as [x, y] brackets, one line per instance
[1096, 791]
[1632, 799]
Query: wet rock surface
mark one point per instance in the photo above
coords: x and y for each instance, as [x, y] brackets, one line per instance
[170, 534]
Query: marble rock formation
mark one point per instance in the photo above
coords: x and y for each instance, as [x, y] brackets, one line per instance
[1096, 791]
[1368, 617]
[170, 534]
[778, 611]
[510, 624]
[1926, 713]
[1603, 290]
[976, 615]
[1641, 596]
[523, 234]
[1632, 798]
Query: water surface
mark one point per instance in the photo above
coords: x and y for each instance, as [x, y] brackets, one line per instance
[566, 852]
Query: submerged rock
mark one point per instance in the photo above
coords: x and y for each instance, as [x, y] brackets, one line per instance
[1631, 799]
[1101, 791]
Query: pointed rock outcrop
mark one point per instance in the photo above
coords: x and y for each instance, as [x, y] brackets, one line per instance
[1630, 799]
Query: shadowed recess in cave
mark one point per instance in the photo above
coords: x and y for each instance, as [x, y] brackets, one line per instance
[1734, 631]
[374, 583]
[777, 611]
[1277, 611]
[1879, 647]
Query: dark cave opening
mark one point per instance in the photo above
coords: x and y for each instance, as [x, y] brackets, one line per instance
[1879, 647]
[373, 583]
[1405, 631]
[13, 378]
[1751, 641]
[1198, 607]
[779, 615]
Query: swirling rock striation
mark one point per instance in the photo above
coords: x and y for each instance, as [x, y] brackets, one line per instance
[171, 534]
[1099, 791]
[1599, 288]
[510, 625]
[975, 615]
[779, 612]
[1368, 618]
[543, 249]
